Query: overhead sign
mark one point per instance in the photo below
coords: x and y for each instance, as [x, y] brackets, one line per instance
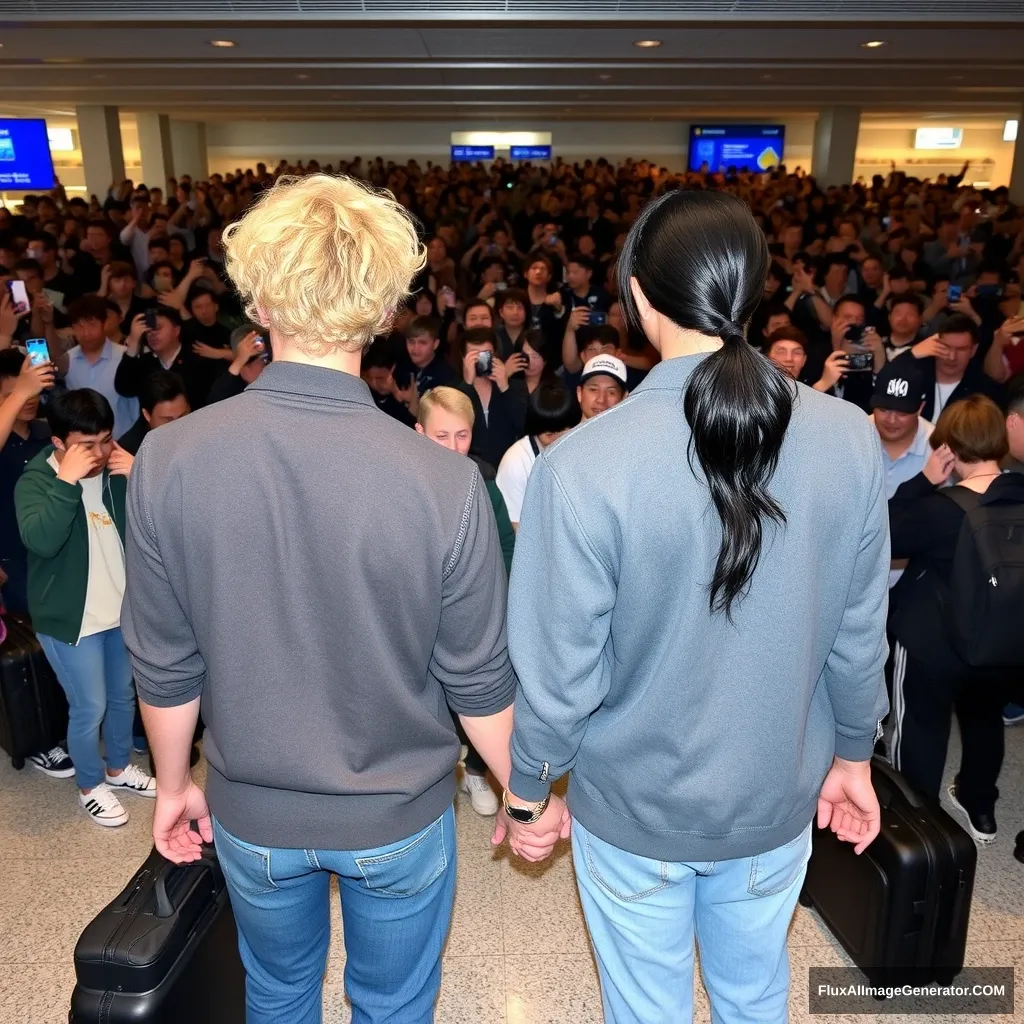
[530, 152]
[462, 153]
[753, 147]
[25, 161]
[938, 138]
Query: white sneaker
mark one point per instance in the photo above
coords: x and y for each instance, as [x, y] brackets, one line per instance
[135, 780]
[481, 796]
[103, 806]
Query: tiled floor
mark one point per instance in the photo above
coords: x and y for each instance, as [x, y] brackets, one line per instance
[518, 951]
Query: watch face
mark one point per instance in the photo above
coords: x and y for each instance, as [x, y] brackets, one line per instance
[520, 814]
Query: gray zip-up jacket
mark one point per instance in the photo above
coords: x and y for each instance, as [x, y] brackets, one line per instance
[690, 738]
[330, 582]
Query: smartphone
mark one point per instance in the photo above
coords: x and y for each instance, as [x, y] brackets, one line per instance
[259, 344]
[954, 292]
[38, 351]
[597, 318]
[854, 333]
[19, 296]
[483, 364]
[552, 239]
[448, 296]
[989, 291]
[500, 286]
[859, 359]
[150, 319]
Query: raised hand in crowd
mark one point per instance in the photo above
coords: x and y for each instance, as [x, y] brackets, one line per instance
[939, 467]
[120, 462]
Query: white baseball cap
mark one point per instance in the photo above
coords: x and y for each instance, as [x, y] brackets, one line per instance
[609, 365]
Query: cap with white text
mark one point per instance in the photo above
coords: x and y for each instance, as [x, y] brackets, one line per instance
[610, 366]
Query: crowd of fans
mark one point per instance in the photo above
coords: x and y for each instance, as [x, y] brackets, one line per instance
[900, 296]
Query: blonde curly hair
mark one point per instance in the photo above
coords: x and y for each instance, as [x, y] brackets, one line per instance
[324, 261]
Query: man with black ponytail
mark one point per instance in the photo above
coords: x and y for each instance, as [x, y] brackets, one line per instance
[645, 626]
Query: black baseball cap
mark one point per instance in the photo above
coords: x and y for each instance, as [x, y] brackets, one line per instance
[899, 387]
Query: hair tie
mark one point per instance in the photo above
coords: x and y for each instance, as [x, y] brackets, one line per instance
[731, 331]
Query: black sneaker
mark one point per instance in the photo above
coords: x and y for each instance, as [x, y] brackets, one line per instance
[54, 763]
[981, 824]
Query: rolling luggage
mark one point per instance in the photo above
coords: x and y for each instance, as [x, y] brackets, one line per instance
[164, 952]
[901, 908]
[33, 708]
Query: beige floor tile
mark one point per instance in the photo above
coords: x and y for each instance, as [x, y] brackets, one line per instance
[552, 990]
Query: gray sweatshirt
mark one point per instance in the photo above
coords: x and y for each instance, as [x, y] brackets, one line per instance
[690, 738]
[329, 582]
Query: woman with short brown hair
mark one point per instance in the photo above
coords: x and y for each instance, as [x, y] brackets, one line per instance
[930, 679]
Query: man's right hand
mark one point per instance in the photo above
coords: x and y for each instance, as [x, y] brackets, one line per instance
[469, 367]
[835, 367]
[930, 347]
[172, 824]
[78, 462]
[848, 805]
[939, 467]
[247, 348]
[33, 380]
[196, 269]
[136, 334]
[534, 842]
[578, 318]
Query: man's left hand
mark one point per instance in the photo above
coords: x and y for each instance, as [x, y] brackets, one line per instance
[534, 842]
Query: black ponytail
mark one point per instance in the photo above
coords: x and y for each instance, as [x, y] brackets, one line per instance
[701, 260]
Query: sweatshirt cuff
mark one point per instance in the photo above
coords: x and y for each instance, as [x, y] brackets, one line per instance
[528, 787]
[856, 748]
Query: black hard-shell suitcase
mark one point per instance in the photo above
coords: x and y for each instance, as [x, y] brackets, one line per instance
[33, 708]
[164, 952]
[901, 908]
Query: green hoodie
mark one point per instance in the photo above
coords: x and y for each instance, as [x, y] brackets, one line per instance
[52, 523]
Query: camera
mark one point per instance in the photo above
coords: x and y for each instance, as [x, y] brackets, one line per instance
[859, 362]
[483, 364]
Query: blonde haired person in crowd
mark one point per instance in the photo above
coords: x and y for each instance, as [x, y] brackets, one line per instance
[324, 583]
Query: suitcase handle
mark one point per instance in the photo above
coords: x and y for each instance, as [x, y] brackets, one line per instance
[164, 907]
[888, 781]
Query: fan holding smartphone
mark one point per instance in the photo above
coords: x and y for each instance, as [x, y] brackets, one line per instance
[19, 297]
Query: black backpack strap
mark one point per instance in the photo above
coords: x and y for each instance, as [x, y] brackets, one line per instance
[534, 446]
[967, 499]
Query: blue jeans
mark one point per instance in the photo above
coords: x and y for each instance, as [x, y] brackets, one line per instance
[642, 915]
[96, 675]
[396, 909]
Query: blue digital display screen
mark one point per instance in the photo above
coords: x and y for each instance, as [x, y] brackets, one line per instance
[530, 152]
[751, 147]
[461, 153]
[25, 161]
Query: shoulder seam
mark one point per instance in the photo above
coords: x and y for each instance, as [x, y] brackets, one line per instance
[463, 527]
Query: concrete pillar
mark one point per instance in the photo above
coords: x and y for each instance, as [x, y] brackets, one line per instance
[99, 138]
[188, 142]
[1017, 173]
[155, 149]
[835, 145]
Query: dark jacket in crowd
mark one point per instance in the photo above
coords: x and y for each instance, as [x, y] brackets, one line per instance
[131, 440]
[924, 526]
[132, 372]
[258, 596]
[496, 432]
[435, 374]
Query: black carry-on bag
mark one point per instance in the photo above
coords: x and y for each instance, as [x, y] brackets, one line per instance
[33, 708]
[901, 908]
[164, 952]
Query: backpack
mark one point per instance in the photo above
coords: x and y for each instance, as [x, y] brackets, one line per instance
[986, 588]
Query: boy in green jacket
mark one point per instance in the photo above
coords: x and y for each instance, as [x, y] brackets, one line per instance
[446, 416]
[71, 516]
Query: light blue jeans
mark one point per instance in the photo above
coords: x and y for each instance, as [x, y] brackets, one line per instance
[642, 915]
[96, 676]
[396, 909]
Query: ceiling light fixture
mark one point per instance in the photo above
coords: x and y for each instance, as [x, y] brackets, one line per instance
[647, 44]
[222, 44]
[302, 78]
[873, 44]
[605, 78]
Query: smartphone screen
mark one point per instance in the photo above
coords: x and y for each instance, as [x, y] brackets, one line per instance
[954, 293]
[19, 296]
[38, 351]
[598, 319]
[150, 316]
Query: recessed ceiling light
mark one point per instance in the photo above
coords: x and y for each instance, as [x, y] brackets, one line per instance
[647, 44]
[873, 44]
[605, 78]
[222, 44]
[302, 77]
[767, 78]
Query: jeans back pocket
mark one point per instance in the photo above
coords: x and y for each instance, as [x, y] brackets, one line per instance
[775, 870]
[407, 868]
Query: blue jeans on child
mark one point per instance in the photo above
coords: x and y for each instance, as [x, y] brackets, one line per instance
[96, 676]
[396, 904]
[642, 915]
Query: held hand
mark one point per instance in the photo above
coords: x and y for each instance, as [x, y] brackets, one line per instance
[534, 842]
[578, 318]
[120, 462]
[930, 347]
[172, 830]
[939, 465]
[469, 367]
[499, 374]
[848, 805]
[200, 348]
[196, 269]
[835, 367]
[33, 380]
[516, 363]
[136, 334]
[78, 462]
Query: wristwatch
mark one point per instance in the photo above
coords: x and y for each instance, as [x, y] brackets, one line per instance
[525, 815]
